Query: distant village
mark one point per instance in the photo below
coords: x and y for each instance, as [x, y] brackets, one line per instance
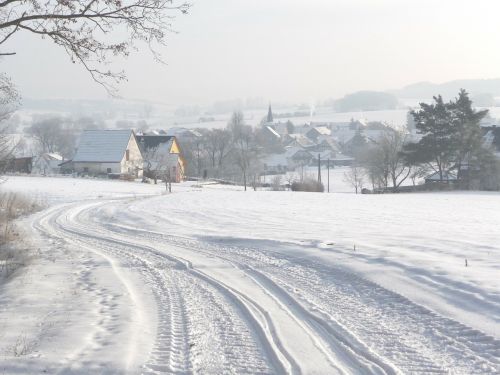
[237, 154]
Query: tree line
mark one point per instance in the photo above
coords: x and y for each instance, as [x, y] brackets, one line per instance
[230, 153]
[448, 137]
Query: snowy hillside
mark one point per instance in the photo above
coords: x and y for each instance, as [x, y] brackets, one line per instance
[215, 280]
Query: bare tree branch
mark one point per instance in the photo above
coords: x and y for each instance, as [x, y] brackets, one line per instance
[93, 32]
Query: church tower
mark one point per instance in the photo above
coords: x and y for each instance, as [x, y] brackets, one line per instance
[270, 114]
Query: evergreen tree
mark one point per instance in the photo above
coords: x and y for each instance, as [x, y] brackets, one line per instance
[467, 129]
[357, 144]
[437, 147]
[451, 134]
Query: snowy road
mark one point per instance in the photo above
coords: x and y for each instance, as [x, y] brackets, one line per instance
[160, 303]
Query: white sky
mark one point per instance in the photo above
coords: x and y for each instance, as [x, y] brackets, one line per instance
[287, 50]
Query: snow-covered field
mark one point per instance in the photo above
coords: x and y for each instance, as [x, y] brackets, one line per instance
[215, 280]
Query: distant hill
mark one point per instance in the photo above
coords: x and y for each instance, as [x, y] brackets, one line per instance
[366, 101]
[426, 90]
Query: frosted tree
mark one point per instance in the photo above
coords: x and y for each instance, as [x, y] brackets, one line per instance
[9, 100]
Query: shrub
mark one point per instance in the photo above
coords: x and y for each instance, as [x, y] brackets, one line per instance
[12, 206]
[308, 185]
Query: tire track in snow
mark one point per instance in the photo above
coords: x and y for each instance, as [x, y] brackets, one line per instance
[171, 331]
[279, 359]
[415, 339]
[171, 351]
[353, 354]
[351, 357]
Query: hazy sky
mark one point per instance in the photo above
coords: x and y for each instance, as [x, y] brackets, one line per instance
[287, 50]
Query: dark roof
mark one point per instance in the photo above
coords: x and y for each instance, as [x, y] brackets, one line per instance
[147, 142]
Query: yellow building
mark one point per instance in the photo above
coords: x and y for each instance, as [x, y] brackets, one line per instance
[162, 157]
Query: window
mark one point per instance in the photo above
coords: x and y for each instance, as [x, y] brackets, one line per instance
[127, 155]
[109, 170]
[86, 169]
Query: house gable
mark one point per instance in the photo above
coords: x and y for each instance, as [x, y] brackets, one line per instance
[132, 160]
[175, 149]
[164, 147]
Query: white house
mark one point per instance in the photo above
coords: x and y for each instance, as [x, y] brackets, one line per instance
[47, 164]
[111, 152]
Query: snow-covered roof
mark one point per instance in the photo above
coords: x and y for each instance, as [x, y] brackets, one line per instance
[183, 132]
[323, 130]
[176, 130]
[344, 135]
[290, 151]
[362, 121]
[280, 127]
[273, 132]
[284, 158]
[330, 142]
[54, 156]
[328, 154]
[102, 146]
[147, 141]
[373, 135]
[447, 176]
[301, 140]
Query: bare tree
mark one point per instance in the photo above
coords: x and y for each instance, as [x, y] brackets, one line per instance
[218, 145]
[151, 159]
[392, 143]
[47, 133]
[384, 161]
[54, 134]
[375, 163]
[92, 32]
[159, 163]
[197, 147]
[244, 147]
[419, 171]
[291, 177]
[355, 177]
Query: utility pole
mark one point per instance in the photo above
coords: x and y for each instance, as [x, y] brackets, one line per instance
[319, 167]
[328, 175]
